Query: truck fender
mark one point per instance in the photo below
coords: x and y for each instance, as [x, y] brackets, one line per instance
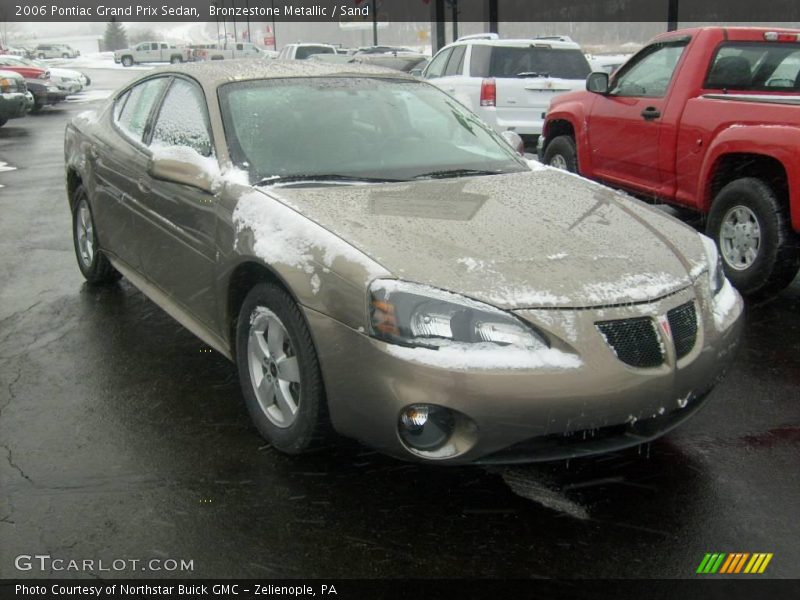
[574, 114]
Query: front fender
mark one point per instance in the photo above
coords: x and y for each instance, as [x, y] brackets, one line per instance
[574, 112]
[779, 142]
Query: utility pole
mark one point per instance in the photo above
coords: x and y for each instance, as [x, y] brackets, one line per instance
[374, 22]
[247, 4]
[672, 15]
[493, 16]
[454, 9]
[437, 19]
[274, 33]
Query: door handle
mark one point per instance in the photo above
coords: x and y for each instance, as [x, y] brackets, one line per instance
[650, 113]
[143, 187]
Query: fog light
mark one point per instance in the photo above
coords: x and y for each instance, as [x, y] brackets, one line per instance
[425, 426]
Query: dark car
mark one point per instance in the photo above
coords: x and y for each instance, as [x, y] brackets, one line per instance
[45, 93]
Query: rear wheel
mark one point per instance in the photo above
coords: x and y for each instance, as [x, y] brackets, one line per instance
[3, 121]
[94, 265]
[176, 59]
[760, 251]
[279, 371]
[127, 61]
[40, 56]
[65, 55]
[561, 154]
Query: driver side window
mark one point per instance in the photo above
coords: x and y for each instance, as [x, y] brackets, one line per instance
[183, 119]
[650, 74]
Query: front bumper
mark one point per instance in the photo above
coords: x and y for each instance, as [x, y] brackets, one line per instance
[525, 415]
[13, 105]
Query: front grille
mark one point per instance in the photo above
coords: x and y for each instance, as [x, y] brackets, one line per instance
[683, 323]
[634, 341]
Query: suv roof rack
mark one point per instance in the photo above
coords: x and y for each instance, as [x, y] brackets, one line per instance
[479, 36]
[558, 38]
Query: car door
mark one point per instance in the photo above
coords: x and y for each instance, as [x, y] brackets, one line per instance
[118, 157]
[625, 125]
[179, 250]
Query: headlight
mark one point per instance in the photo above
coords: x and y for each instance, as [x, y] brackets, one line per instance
[7, 85]
[417, 315]
[716, 274]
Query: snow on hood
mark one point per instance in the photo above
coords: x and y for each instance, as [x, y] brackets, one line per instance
[521, 240]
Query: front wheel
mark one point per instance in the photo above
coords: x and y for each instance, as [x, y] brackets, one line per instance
[65, 55]
[561, 154]
[279, 371]
[3, 121]
[40, 56]
[94, 265]
[760, 251]
[127, 61]
[175, 60]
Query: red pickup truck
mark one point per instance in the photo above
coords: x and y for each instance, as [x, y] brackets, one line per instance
[708, 119]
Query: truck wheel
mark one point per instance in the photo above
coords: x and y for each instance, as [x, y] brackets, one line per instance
[561, 154]
[127, 61]
[3, 121]
[175, 60]
[65, 55]
[279, 371]
[40, 56]
[760, 252]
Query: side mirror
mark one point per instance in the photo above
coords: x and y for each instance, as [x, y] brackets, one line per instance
[183, 165]
[597, 82]
[513, 139]
[416, 72]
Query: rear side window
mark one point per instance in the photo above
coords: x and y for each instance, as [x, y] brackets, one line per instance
[306, 51]
[456, 62]
[755, 66]
[436, 68]
[183, 119]
[133, 117]
[516, 61]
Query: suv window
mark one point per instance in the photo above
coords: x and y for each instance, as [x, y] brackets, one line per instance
[755, 66]
[306, 51]
[141, 47]
[649, 73]
[183, 119]
[511, 61]
[133, 117]
[456, 62]
[436, 67]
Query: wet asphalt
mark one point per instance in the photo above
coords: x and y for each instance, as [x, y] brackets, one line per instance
[123, 436]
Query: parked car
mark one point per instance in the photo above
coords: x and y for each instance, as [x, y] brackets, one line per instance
[12, 63]
[374, 257]
[232, 50]
[304, 51]
[67, 80]
[13, 96]
[608, 63]
[45, 93]
[54, 51]
[707, 119]
[150, 52]
[509, 83]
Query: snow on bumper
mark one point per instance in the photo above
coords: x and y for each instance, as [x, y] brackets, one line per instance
[580, 386]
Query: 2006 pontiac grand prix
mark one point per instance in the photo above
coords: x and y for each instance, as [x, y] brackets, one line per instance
[378, 261]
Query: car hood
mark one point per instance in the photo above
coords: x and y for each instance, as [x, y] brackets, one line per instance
[522, 240]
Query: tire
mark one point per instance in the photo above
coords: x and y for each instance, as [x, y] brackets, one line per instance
[751, 227]
[40, 56]
[65, 55]
[561, 154]
[175, 60]
[127, 61]
[37, 106]
[94, 265]
[267, 308]
[3, 122]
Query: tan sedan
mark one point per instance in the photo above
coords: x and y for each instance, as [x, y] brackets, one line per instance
[378, 261]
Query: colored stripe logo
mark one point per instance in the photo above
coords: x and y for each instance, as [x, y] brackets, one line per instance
[734, 563]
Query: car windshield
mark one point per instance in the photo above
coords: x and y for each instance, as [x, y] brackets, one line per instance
[348, 127]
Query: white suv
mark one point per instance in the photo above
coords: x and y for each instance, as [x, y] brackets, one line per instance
[509, 83]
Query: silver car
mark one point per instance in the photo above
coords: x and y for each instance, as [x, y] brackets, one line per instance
[377, 261]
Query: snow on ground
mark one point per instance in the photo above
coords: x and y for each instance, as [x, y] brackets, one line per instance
[5, 167]
[89, 96]
[96, 60]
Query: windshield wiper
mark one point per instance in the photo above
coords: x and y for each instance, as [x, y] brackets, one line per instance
[455, 173]
[323, 177]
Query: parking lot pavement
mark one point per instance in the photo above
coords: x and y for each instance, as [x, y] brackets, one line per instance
[123, 436]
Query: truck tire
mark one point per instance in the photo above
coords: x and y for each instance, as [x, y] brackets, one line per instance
[3, 121]
[760, 251]
[561, 154]
[176, 59]
[127, 61]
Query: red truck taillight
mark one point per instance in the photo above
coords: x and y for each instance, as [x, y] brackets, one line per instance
[488, 92]
[778, 36]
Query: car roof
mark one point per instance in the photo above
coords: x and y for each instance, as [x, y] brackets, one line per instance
[552, 42]
[216, 73]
